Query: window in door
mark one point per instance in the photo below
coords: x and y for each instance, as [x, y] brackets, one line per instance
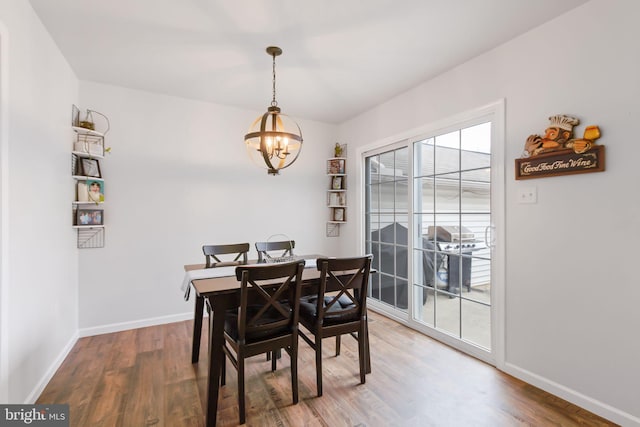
[387, 223]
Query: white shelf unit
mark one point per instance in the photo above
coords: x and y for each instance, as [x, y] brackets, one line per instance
[87, 178]
[84, 131]
[336, 194]
[87, 203]
[87, 155]
[87, 144]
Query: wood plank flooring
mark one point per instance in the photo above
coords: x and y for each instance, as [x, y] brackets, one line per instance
[144, 377]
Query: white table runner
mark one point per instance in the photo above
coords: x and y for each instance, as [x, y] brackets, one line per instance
[208, 273]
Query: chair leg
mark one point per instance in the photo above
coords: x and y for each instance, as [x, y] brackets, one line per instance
[362, 354]
[241, 403]
[367, 347]
[337, 345]
[223, 369]
[319, 364]
[274, 360]
[278, 354]
[294, 372]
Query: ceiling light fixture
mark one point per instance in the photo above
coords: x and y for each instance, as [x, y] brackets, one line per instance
[273, 137]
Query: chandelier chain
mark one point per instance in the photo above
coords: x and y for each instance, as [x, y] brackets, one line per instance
[274, 103]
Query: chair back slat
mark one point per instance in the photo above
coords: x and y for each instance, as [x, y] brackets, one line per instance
[350, 276]
[212, 252]
[284, 249]
[268, 298]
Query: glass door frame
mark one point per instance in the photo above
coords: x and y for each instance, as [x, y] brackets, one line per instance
[495, 113]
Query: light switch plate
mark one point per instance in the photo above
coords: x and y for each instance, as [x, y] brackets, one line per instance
[527, 195]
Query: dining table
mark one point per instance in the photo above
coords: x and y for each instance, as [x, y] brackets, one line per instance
[219, 290]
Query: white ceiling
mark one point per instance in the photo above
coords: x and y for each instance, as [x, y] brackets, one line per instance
[341, 57]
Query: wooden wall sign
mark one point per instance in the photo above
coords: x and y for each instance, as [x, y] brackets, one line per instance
[562, 162]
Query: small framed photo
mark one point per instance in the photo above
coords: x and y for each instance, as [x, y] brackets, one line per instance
[338, 214]
[337, 183]
[333, 167]
[336, 166]
[95, 190]
[337, 198]
[90, 167]
[90, 217]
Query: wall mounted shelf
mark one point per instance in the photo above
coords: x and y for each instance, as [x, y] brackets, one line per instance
[87, 209]
[336, 194]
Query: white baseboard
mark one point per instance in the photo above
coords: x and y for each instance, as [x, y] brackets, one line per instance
[39, 388]
[124, 326]
[602, 409]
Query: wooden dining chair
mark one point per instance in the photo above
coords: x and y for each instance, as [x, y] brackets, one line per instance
[266, 249]
[215, 256]
[341, 312]
[275, 252]
[266, 320]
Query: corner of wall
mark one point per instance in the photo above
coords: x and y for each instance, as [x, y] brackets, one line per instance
[4, 225]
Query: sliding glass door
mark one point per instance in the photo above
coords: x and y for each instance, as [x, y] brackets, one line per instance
[430, 227]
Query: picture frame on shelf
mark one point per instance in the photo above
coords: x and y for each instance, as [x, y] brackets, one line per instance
[95, 190]
[92, 145]
[336, 183]
[337, 198]
[336, 166]
[338, 214]
[90, 167]
[333, 167]
[90, 217]
[82, 192]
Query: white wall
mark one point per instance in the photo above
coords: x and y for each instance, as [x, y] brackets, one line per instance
[40, 269]
[572, 291]
[179, 177]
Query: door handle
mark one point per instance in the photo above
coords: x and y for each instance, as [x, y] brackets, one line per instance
[490, 242]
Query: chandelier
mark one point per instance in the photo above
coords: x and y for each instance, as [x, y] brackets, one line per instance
[274, 138]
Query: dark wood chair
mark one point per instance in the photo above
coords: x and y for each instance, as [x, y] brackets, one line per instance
[266, 320]
[342, 312]
[212, 253]
[283, 248]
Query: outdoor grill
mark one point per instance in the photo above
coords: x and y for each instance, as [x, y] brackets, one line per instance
[454, 242]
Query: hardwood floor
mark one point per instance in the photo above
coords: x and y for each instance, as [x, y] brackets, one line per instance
[144, 377]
